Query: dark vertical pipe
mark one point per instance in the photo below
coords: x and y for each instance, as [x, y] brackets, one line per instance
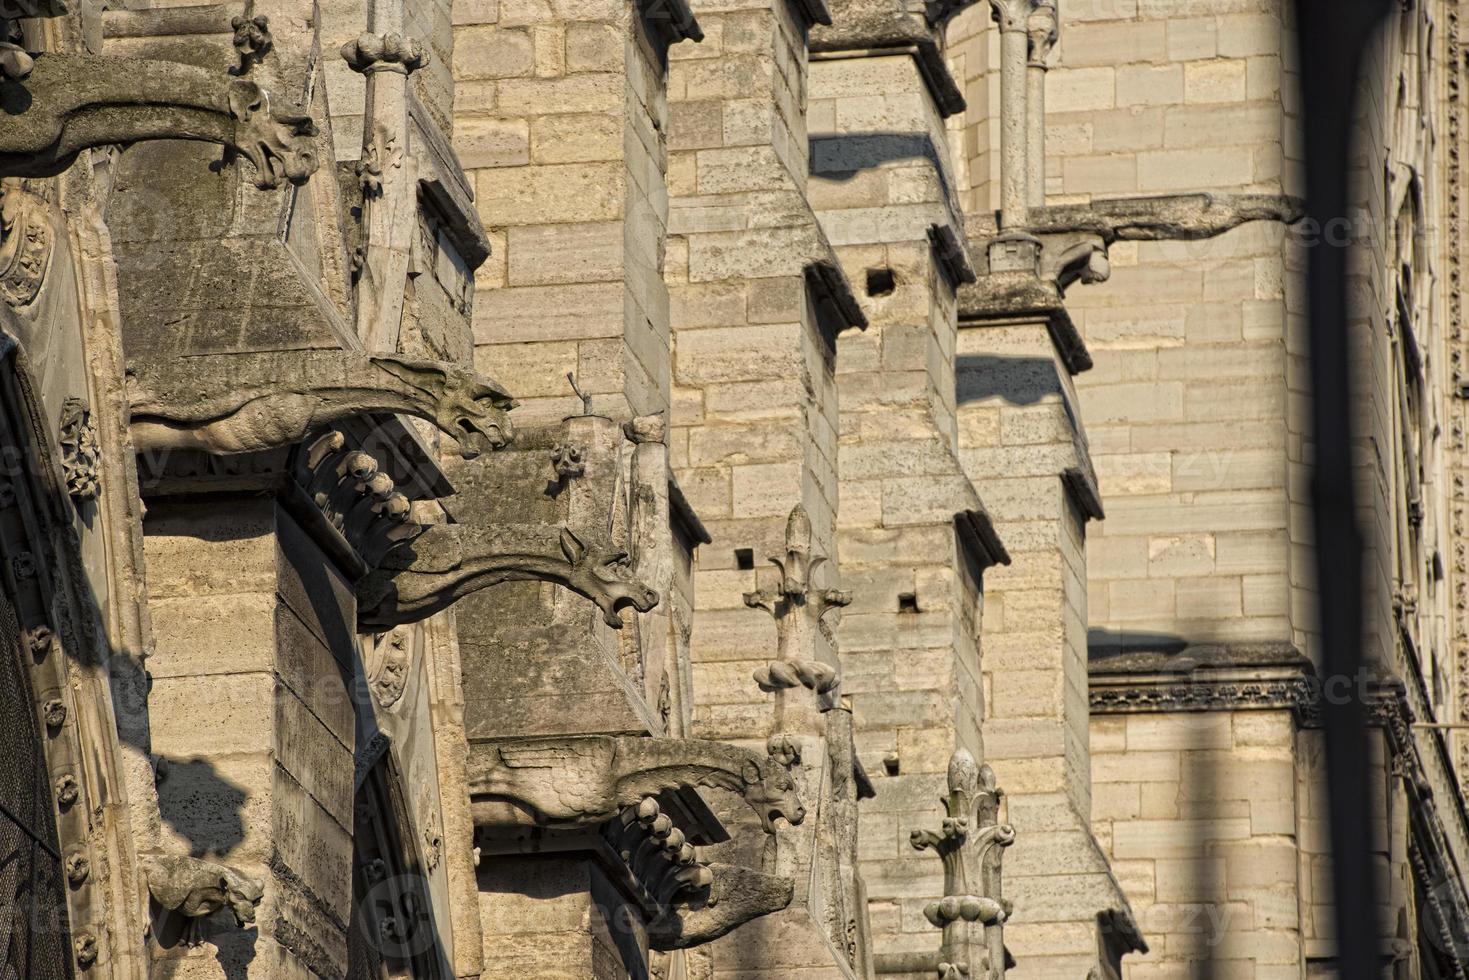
[1332, 35]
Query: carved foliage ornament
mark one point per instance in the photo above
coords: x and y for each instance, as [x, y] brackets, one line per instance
[370, 53]
[79, 450]
[26, 239]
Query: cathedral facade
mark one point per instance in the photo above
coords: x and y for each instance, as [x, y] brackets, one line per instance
[714, 490]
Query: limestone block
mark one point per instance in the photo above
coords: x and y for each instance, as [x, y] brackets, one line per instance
[551, 193]
[1115, 43]
[1212, 125]
[1173, 838]
[572, 312]
[1192, 38]
[1217, 597]
[1080, 89]
[593, 47]
[484, 142]
[491, 51]
[1123, 474]
[1149, 85]
[575, 137]
[227, 633]
[543, 255]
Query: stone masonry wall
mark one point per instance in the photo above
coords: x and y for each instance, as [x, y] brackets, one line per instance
[559, 119]
[1189, 410]
[909, 638]
[1211, 831]
[754, 403]
[252, 716]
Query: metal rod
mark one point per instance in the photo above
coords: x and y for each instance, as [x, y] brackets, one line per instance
[5, 811]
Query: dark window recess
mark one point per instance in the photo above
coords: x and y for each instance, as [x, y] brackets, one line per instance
[880, 282]
[890, 763]
[907, 602]
[744, 559]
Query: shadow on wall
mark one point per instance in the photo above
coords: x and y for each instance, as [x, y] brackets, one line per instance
[1015, 380]
[839, 157]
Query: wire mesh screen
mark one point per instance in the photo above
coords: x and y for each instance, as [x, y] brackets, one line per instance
[33, 929]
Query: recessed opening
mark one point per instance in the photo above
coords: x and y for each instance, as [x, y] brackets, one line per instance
[890, 763]
[907, 602]
[744, 559]
[879, 282]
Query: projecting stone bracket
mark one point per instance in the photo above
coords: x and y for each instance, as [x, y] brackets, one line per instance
[250, 402]
[67, 103]
[450, 561]
[581, 781]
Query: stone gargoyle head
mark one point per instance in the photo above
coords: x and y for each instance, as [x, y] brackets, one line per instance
[278, 143]
[243, 894]
[604, 575]
[467, 407]
[770, 788]
[195, 888]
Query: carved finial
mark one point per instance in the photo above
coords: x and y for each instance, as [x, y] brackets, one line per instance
[799, 609]
[971, 822]
[963, 773]
[385, 52]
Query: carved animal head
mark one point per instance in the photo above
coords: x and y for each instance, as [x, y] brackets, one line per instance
[466, 406]
[603, 575]
[278, 143]
[242, 894]
[769, 786]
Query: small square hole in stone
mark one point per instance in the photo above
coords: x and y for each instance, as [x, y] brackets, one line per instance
[744, 559]
[907, 602]
[880, 282]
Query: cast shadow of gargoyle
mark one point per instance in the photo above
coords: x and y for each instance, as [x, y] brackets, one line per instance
[201, 806]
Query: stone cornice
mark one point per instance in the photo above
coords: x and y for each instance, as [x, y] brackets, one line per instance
[1155, 677]
[1013, 295]
[828, 281]
[977, 532]
[876, 33]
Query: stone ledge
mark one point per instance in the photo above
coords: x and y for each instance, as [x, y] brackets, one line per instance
[1011, 295]
[886, 34]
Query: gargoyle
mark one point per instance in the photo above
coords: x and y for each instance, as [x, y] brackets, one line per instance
[450, 561]
[71, 102]
[237, 403]
[737, 895]
[582, 781]
[194, 889]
